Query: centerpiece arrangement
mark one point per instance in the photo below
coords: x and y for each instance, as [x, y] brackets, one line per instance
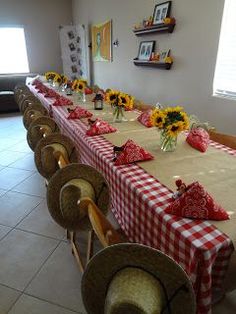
[170, 121]
[120, 102]
[79, 87]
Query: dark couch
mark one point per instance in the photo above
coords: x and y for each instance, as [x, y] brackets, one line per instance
[7, 85]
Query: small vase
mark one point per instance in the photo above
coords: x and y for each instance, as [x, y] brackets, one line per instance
[167, 143]
[79, 96]
[84, 97]
[118, 114]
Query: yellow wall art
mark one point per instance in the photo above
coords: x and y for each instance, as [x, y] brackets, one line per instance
[101, 42]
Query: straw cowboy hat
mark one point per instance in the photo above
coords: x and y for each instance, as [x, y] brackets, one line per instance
[44, 157]
[65, 193]
[39, 128]
[25, 102]
[32, 112]
[131, 278]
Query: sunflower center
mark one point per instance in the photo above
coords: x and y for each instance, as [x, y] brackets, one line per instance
[174, 128]
[112, 97]
[159, 120]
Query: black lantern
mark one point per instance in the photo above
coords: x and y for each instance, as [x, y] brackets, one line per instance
[98, 101]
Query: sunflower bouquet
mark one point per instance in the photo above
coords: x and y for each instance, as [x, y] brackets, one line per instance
[52, 76]
[119, 101]
[171, 121]
[79, 86]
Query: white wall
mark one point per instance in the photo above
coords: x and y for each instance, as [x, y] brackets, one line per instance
[194, 47]
[41, 19]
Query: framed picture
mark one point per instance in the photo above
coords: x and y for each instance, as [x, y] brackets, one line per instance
[161, 11]
[145, 50]
[164, 54]
[101, 42]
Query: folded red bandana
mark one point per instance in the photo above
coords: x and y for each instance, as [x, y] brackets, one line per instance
[51, 94]
[79, 113]
[62, 101]
[144, 118]
[196, 203]
[100, 127]
[198, 138]
[131, 152]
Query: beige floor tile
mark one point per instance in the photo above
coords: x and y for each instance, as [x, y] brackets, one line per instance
[34, 185]
[10, 177]
[227, 305]
[59, 280]
[40, 221]
[7, 298]
[27, 163]
[21, 256]
[22, 146]
[6, 142]
[3, 231]
[15, 206]
[1, 190]
[7, 157]
[30, 305]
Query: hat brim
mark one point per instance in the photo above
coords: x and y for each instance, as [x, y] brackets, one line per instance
[58, 138]
[38, 109]
[31, 139]
[102, 268]
[70, 172]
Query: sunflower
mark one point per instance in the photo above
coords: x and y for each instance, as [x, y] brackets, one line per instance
[64, 79]
[58, 79]
[50, 75]
[80, 86]
[174, 129]
[185, 120]
[74, 84]
[112, 97]
[123, 100]
[158, 118]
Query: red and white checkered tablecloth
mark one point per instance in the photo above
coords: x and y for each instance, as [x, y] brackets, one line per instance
[138, 201]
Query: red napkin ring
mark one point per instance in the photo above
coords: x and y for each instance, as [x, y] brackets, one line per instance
[198, 138]
[144, 118]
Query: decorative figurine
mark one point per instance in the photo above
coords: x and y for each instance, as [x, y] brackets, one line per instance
[181, 188]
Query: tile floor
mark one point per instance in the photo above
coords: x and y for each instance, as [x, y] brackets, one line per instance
[38, 274]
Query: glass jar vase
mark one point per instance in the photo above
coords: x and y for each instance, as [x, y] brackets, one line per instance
[167, 143]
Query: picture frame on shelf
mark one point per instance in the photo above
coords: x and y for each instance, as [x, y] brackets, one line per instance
[164, 54]
[145, 50]
[161, 11]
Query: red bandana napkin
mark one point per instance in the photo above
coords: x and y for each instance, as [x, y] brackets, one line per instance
[51, 94]
[100, 127]
[79, 113]
[196, 203]
[62, 101]
[131, 152]
[144, 118]
[198, 138]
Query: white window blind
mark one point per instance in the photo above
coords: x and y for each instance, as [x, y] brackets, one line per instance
[225, 72]
[13, 54]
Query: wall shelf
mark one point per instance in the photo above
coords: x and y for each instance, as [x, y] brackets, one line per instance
[154, 64]
[160, 28]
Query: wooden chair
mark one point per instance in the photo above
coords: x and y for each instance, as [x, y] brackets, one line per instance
[225, 139]
[103, 229]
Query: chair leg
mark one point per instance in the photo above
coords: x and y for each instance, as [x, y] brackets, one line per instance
[75, 250]
[67, 234]
[90, 245]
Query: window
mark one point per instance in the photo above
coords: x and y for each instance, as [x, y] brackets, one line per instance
[225, 73]
[13, 54]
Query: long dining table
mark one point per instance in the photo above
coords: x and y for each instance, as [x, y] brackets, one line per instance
[139, 200]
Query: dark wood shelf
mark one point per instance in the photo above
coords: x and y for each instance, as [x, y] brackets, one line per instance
[160, 28]
[154, 64]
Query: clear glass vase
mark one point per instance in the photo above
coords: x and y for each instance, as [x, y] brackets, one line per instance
[118, 114]
[167, 143]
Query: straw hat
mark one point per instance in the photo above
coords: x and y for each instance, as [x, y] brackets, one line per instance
[34, 134]
[131, 278]
[43, 154]
[28, 101]
[69, 185]
[32, 112]
[24, 95]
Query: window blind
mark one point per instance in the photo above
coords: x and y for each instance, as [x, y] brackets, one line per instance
[225, 72]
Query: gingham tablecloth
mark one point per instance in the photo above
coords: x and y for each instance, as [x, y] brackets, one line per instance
[138, 201]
